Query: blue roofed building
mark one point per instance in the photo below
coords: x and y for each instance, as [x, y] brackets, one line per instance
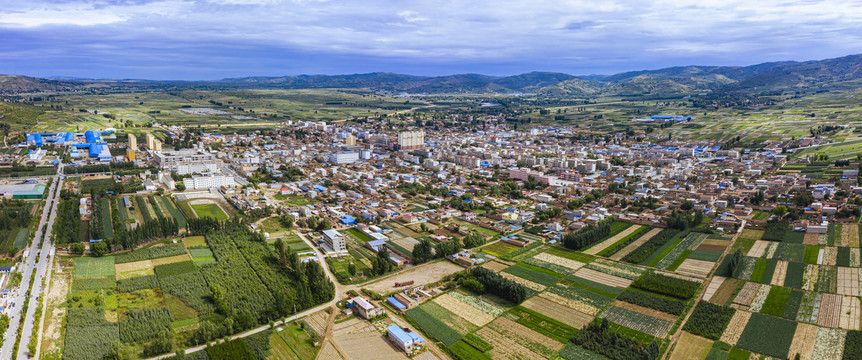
[408, 342]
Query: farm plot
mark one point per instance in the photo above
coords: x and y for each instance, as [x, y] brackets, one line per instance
[527, 337]
[850, 313]
[133, 269]
[790, 252]
[758, 249]
[537, 275]
[439, 322]
[94, 266]
[827, 279]
[780, 273]
[803, 341]
[499, 249]
[713, 287]
[855, 257]
[603, 278]
[636, 244]
[405, 243]
[699, 268]
[690, 242]
[360, 340]
[691, 347]
[767, 335]
[745, 268]
[830, 310]
[725, 291]
[829, 344]
[645, 310]
[747, 294]
[202, 257]
[809, 278]
[469, 308]
[850, 236]
[776, 301]
[578, 299]
[529, 284]
[621, 269]
[848, 281]
[613, 240]
[828, 256]
[555, 263]
[760, 298]
[504, 347]
[795, 277]
[496, 266]
[811, 239]
[735, 327]
[637, 321]
[809, 308]
[557, 311]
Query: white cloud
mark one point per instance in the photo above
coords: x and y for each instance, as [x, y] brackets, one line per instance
[601, 31]
[85, 14]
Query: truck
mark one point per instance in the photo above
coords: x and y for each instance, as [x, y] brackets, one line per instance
[403, 283]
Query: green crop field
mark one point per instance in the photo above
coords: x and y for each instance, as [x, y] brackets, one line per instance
[209, 210]
[94, 266]
[767, 335]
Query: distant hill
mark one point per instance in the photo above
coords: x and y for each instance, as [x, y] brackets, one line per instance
[784, 75]
[13, 84]
[805, 75]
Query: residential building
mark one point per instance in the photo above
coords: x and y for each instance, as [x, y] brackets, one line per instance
[334, 241]
[366, 309]
[408, 342]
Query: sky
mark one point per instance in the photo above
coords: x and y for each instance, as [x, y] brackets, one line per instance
[215, 39]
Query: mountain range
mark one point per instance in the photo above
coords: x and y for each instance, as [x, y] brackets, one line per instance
[771, 76]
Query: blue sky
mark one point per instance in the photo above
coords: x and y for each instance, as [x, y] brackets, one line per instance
[213, 39]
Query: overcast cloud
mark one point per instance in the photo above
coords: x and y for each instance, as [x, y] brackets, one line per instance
[212, 39]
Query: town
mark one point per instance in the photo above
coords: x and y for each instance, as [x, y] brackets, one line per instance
[403, 236]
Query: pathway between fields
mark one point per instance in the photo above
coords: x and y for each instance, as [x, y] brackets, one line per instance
[706, 283]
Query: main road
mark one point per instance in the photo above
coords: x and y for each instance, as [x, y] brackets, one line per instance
[40, 249]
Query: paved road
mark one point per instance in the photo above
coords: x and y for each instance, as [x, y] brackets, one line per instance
[27, 266]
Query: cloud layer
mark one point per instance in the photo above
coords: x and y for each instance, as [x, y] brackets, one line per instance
[209, 39]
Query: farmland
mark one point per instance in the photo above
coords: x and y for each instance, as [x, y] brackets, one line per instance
[163, 298]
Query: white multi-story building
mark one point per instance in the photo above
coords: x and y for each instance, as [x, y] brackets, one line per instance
[206, 182]
[344, 157]
[410, 140]
[334, 241]
[186, 161]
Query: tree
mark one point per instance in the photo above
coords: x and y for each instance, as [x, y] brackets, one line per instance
[99, 248]
[780, 211]
[77, 248]
[351, 268]
[382, 264]
[423, 251]
[686, 205]
[180, 186]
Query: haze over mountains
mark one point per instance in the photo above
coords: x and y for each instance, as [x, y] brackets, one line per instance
[787, 75]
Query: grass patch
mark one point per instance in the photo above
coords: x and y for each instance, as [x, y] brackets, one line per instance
[432, 326]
